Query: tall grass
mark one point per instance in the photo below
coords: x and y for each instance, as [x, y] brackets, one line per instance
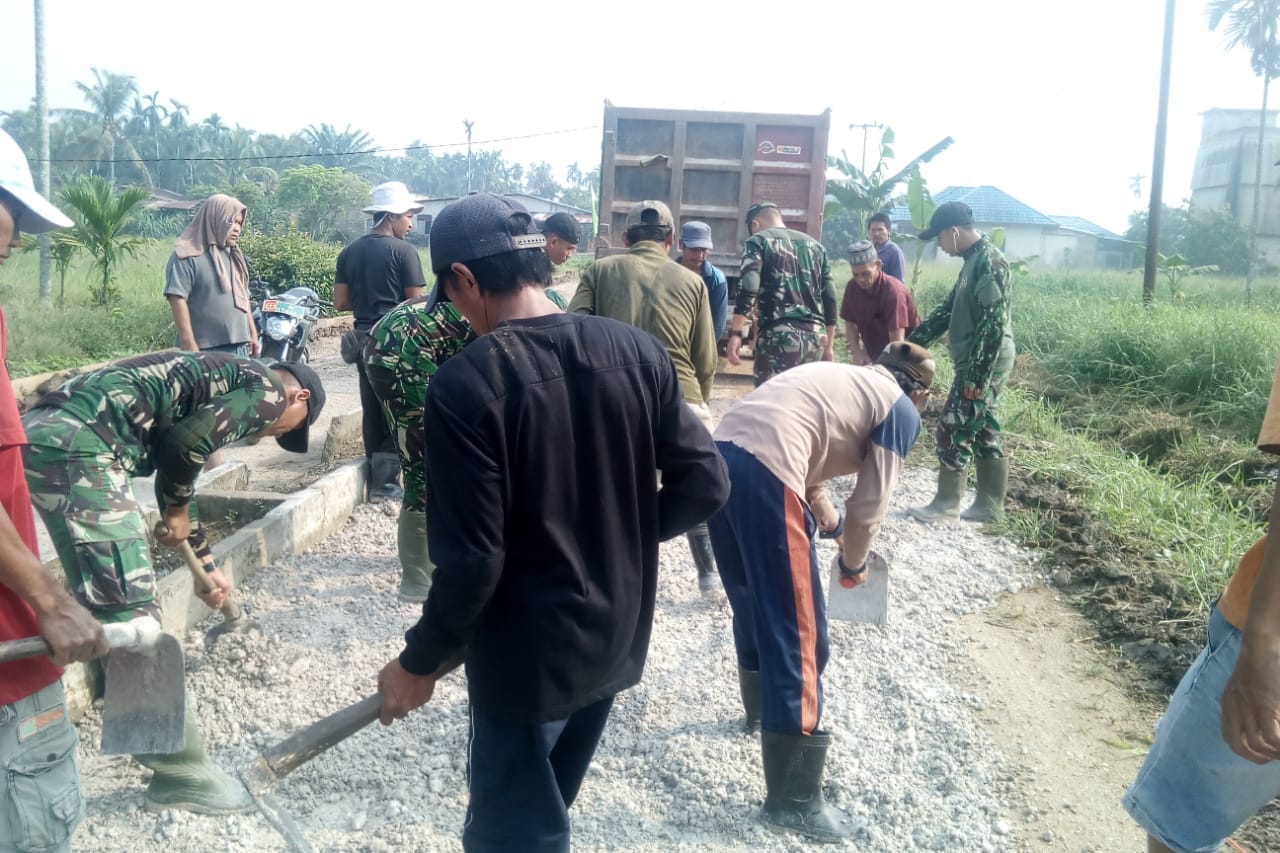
[76, 333]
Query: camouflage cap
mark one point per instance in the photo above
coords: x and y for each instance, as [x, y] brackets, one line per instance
[911, 364]
[755, 210]
[296, 439]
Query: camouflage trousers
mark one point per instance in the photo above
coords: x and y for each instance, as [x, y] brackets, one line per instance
[785, 345]
[86, 499]
[403, 394]
[968, 428]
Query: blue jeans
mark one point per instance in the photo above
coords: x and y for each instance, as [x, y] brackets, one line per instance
[1193, 791]
[241, 350]
[524, 777]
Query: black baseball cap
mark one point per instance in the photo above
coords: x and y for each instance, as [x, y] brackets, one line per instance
[951, 214]
[296, 439]
[563, 226]
[474, 227]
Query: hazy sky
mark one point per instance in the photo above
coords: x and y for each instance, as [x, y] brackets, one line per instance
[1053, 103]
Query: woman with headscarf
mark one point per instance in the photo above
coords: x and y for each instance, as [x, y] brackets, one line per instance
[207, 282]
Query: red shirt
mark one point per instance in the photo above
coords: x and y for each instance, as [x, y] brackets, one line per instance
[888, 305]
[24, 677]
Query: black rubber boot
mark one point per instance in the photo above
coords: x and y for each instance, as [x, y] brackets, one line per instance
[793, 767]
[384, 477]
[705, 559]
[749, 686]
[993, 482]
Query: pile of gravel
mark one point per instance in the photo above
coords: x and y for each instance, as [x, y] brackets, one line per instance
[674, 771]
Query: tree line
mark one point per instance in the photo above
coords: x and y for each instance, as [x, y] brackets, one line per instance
[143, 139]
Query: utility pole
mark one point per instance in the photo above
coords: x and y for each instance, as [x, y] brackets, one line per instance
[1157, 167]
[468, 124]
[43, 166]
[865, 128]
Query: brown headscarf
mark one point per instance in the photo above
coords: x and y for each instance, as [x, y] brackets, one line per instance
[208, 231]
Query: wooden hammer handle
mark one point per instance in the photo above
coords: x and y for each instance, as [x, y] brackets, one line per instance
[200, 577]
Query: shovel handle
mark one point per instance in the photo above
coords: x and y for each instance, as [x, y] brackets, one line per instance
[299, 748]
[120, 635]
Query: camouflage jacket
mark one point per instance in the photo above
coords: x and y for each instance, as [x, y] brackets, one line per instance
[166, 412]
[787, 275]
[413, 342]
[976, 317]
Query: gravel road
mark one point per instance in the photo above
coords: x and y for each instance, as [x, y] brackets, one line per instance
[912, 762]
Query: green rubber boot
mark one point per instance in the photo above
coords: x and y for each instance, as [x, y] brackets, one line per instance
[190, 781]
[993, 482]
[946, 504]
[416, 567]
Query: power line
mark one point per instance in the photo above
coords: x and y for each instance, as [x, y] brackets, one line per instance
[313, 154]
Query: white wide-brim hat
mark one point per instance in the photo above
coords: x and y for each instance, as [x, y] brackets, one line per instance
[39, 215]
[393, 197]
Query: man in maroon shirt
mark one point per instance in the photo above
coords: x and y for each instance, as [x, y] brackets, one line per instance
[877, 308]
[37, 739]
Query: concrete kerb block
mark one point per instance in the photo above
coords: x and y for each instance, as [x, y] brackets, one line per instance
[300, 521]
[227, 477]
[344, 428]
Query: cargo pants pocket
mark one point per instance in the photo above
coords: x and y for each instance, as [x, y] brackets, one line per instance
[42, 793]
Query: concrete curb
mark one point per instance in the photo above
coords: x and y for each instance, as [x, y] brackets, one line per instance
[298, 522]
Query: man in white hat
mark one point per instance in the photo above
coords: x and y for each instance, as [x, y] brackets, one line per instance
[37, 739]
[375, 274]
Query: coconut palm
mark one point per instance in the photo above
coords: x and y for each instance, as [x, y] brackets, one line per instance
[101, 216]
[109, 99]
[1252, 24]
[350, 149]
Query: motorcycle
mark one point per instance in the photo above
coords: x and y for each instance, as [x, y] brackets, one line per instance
[285, 321]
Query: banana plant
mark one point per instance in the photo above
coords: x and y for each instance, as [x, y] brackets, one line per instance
[864, 193]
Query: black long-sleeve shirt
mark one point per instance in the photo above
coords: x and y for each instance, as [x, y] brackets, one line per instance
[544, 439]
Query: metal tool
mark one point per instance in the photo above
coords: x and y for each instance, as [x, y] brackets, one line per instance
[868, 602]
[285, 757]
[143, 710]
[234, 619]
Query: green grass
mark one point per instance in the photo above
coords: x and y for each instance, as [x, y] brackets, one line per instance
[51, 338]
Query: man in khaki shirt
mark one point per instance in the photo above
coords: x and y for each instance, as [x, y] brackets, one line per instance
[647, 289]
[781, 443]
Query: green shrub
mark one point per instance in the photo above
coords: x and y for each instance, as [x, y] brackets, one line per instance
[290, 260]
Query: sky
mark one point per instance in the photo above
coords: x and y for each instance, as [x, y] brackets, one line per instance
[1052, 103]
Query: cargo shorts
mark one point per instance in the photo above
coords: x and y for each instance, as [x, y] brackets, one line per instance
[1193, 791]
[40, 802]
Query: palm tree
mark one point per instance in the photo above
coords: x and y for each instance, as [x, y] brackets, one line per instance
[101, 216]
[109, 99]
[862, 194]
[1253, 24]
[349, 148]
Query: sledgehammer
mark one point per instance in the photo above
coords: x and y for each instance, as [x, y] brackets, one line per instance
[234, 619]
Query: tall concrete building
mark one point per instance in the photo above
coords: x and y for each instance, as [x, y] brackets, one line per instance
[1224, 172]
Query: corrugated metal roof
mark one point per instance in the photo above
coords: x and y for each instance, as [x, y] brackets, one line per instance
[992, 206]
[1084, 226]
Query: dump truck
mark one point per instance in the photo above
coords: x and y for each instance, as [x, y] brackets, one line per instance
[712, 166]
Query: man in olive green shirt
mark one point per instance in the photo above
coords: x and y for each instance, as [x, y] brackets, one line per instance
[647, 289]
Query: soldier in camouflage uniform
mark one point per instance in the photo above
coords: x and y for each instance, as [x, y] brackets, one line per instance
[976, 318]
[162, 413]
[786, 275]
[405, 349]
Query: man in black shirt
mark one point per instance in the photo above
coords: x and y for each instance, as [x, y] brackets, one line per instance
[543, 441]
[375, 274]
